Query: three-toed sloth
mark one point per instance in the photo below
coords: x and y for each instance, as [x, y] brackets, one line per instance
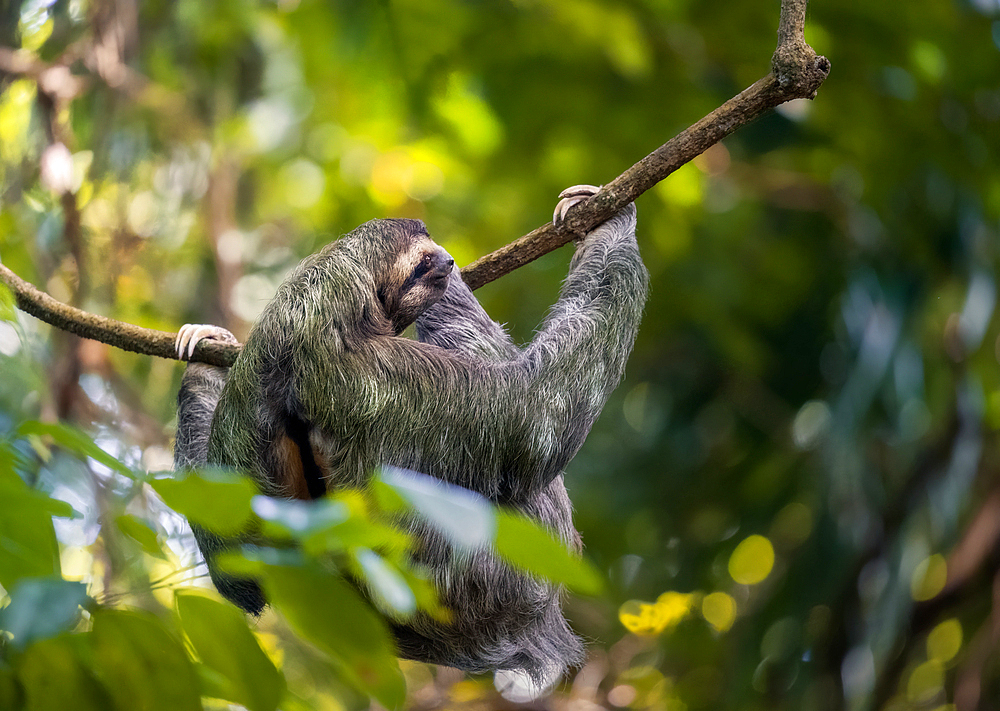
[326, 391]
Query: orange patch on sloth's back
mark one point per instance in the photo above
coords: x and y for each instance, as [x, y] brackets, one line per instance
[289, 474]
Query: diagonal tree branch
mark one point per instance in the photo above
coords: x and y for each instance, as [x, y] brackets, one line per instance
[796, 73]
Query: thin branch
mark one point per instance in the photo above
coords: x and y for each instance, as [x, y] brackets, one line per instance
[106, 330]
[796, 73]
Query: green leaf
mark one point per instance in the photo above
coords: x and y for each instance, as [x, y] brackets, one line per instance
[8, 304]
[343, 625]
[8, 456]
[333, 524]
[216, 500]
[41, 608]
[10, 691]
[28, 546]
[387, 584]
[299, 519]
[75, 441]
[142, 533]
[220, 635]
[53, 676]
[142, 664]
[467, 519]
[212, 684]
[527, 545]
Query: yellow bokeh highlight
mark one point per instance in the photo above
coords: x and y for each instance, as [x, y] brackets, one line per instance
[15, 118]
[752, 561]
[685, 188]
[719, 610]
[470, 116]
[929, 577]
[945, 640]
[645, 618]
[76, 563]
[925, 682]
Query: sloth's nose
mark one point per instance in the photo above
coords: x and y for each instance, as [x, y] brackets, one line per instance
[443, 262]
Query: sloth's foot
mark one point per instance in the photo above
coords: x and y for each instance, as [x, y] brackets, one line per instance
[191, 333]
[570, 197]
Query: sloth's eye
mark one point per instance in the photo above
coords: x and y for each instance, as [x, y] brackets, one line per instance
[423, 266]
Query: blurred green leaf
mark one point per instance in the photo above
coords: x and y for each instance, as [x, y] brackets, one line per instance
[142, 664]
[75, 441]
[142, 533]
[219, 633]
[54, 677]
[386, 583]
[299, 519]
[41, 608]
[464, 517]
[28, 546]
[213, 684]
[344, 626]
[10, 690]
[216, 500]
[526, 545]
[8, 305]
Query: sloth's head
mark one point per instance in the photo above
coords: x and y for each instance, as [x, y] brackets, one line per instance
[412, 270]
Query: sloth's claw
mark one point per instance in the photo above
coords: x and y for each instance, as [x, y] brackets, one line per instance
[190, 334]
[570, 197]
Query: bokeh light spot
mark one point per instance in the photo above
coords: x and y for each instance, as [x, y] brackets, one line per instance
[644, 618]
[811, 424]
[929, 577]
[925, 682]
[752, 560]
[684, 188]
[719, 610]
[945, 640]
[622, 695]
[303, 182]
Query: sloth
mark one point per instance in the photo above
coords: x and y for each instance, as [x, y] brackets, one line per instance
[326, 391]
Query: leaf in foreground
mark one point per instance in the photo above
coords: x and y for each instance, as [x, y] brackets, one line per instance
[27, 538]
[220, 635]
[526, 545]
[142, 664]
[466, 518]
[54, 677]
[41, 608]
[216, 500]
[326, 610]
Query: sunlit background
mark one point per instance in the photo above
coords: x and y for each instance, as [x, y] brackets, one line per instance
[793, 494]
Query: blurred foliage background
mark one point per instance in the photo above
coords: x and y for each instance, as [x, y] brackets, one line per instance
[794, 493]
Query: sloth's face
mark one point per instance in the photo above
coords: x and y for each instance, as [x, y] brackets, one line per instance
[419, 279]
